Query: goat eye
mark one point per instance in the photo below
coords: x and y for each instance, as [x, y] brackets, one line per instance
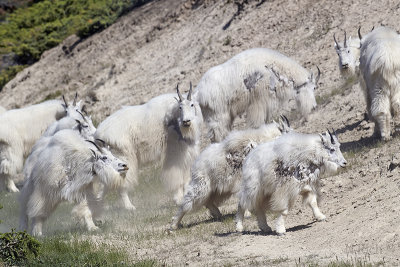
[180, 107]
[192, 105]
[104, 158]
[85, 126]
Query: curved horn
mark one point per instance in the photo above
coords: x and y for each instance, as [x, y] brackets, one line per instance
[65, 102]
[359, 33]
[345, 39]
[286, 119]
[83, 116]
[179, 94]
[337, 44]
[101, 141]
[76, 96]
[98, 148]
[189, 96]
[373, 27]
[318, 75]
[332, 140]
[83, 109]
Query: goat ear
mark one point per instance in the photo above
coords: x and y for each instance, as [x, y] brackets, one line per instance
[323, 138]
[94, 154]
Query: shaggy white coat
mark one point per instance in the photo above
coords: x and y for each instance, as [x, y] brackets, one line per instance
[84, 127]
[216, 173]
[2, 110]
[65, 172]
[380, 69]
[23, 127]
[275, 173]
[258, 82]
[154, 132]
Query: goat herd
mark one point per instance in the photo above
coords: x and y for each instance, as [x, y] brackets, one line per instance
[65, 158]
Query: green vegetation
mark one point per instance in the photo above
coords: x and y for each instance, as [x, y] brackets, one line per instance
[16, 247]
[31, 30]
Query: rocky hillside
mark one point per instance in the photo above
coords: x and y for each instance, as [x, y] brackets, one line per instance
[151, 49]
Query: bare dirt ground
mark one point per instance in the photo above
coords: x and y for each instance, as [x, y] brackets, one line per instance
[150, 50]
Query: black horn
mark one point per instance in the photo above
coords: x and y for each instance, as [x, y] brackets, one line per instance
[332, 139]
[189, 96]
[103, 143]
[65, 102]
[318, 76]
[337, 44]
[286, 119]
[359, 33]
[345, 39]
[179, 94]
[98, 148]
[76, 96]
[83, 116]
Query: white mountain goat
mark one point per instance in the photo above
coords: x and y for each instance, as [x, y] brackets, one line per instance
[22, 127]
[75, 119]
[275, 173]
[258, 81]
[380, 70]
[74, 113]
[217, 171]
[349, 56]
[84, 126]
[66, 171]
[165, 128]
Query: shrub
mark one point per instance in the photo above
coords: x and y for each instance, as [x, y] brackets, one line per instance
[31, 30]
[16, 247]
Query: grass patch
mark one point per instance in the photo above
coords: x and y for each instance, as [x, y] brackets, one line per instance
[58, 251]
[340, 90]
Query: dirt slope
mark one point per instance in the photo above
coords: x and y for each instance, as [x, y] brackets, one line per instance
[163, 43]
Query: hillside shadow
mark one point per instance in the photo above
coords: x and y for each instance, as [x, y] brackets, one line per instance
[260, 233]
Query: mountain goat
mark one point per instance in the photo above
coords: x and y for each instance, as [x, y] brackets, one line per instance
[216, 173]
[275, 173]
[380, 70]
[23, 127]
[165, 128]
[349, 56]
[258, 81]
[84, 126]
[66, 171]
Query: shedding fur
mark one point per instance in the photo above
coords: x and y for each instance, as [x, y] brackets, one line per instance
[66, 171]
[164, 129]
[275, 173]
[24, 127]
[380, 70]
[258, 82]
[216, 173]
